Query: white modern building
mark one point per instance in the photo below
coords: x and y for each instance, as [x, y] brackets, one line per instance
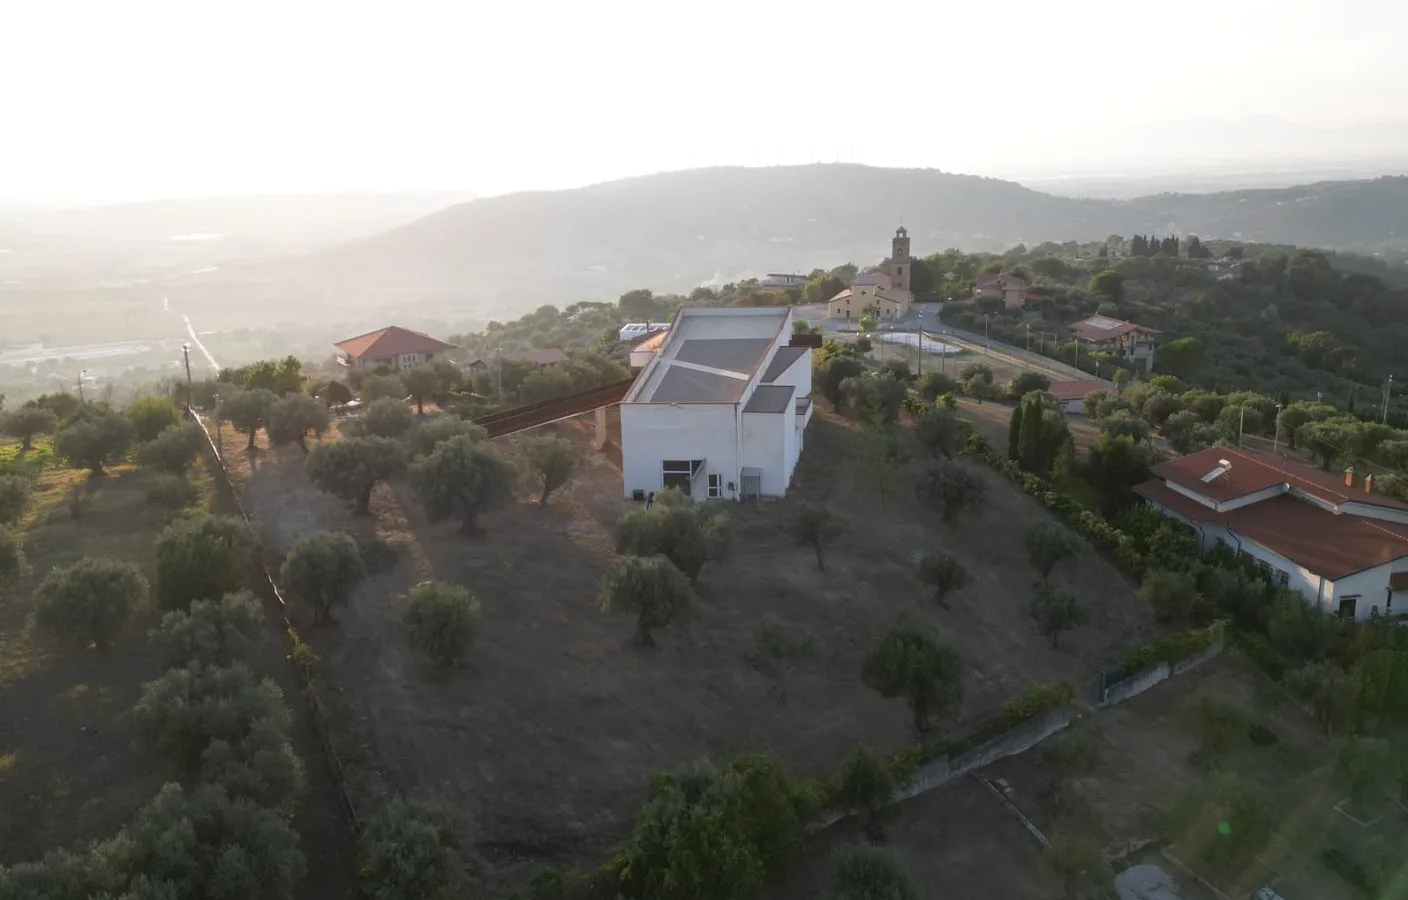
[1340, 544]
[721, 410]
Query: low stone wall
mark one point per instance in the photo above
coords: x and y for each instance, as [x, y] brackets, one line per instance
[1140, 682]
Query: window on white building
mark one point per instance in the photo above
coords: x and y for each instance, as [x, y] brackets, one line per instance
[1283, 578]
[1347, 606]
[716, 485]
[678, 473]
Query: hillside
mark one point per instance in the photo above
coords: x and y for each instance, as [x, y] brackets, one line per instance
[507, 254]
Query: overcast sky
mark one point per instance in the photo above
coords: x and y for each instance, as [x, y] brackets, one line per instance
[105, 100]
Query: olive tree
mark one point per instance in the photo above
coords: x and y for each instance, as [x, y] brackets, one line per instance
[779, 648]
[422, 382]
[174, 450]
[89, 601]
[441, 621]
[1049, 545]
[937, 431]
[377, 387]
[549, 460]
[26, 422]
[384, 417]
[426, 435]
[1173, 596]
[247, 411]
[150, 416]
[879, 455]
[864, 785]
[1056, 609]
[815, 525]
[910, 662]
[261, 767]
[322, 570]
[183, 711]
[649, 586]
[201, 558]
[14, 497]
[944, 573]
[351, 468]
[463, 477]
[294, 415]
[952, 489]
[413, 849]
[678, 529]
[215, 632]
[94, 442]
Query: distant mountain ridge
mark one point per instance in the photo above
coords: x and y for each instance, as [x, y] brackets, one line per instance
[674, 230]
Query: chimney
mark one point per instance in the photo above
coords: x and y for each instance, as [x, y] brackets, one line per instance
[1349, 477]
[1368, 484]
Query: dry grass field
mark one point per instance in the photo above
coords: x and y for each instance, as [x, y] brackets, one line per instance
[547, 736]
[69, 771]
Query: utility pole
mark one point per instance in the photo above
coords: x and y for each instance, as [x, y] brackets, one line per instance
[219, 440]
[186, 352]
[80, 386]
[1241, 421]
[499, 371]
[987, 345]
[1276, 431]
[920, 344]
[1388, 392]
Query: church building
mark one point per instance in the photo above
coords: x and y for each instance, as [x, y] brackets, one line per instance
[883, 293]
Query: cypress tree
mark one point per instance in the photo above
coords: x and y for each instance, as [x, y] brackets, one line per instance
[1014, 433]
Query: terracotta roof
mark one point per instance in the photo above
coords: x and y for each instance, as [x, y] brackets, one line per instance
[391, 341]
[1000, 279]
[876, 278]
[883, 294]
[1252, 472]
[1075, 390]
[1104, 328]
[1325, 543]
[841, 296]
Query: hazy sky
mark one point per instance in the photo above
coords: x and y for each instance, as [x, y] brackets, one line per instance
[109, 100]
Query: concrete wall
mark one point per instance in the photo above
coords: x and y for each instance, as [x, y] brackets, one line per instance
[661, 431]
[765, 440]
[1140, 682]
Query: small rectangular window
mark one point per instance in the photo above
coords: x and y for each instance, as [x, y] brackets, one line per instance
[1283, 579]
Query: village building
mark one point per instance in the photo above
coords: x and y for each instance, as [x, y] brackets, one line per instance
[547, 356]
[883, 293]
[1336, 541]
[1125, 340]
[1011, 290]
[720, 410]
[393, 346]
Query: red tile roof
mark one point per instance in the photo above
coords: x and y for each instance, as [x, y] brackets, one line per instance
[1104, 328]
[1159, 492]
[1252, 472]
[391, 341]
[1000, 279]
[1075, 390]
[840, 296]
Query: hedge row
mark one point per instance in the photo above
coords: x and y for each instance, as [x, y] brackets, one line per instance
[1119, 546]
[1171, 649]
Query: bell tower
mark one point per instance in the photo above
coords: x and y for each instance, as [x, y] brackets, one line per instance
[899, 260]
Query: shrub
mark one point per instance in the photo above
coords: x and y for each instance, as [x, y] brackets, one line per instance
[1170, 649]
[172, 492]
[181, 713]
[1172, 595]
[383, 387]
[1037, 701]
[550, 461]
[427, 435]
[441, 621]
[150, 416]
[174, 450]
[351, 468]
[871, 873]
[201, 558]
[649, 586]
[89, 601]
[213, 632]
[463, 477]
[864, 785]
[412, 849]
[94, 442]
[12, 564]
[385, 418]
[260, 768]
[14, 497]
[933, 385]
[322, 570]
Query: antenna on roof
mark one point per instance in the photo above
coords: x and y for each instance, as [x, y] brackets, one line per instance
[1223, 467]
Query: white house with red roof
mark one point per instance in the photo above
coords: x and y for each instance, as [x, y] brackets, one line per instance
[1126, 340]
[1340, 544]
[393, 346]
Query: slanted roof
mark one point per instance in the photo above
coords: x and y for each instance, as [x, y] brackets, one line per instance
[734, 354]
[391, 341]
[770, 398]
[1001, 280]
[782, 360]
[1251, 472]
[840, 296]
[681, 385]
[1327, 544]
[1104, 328]
[711, 355]
[870, 276]
[1075, 390]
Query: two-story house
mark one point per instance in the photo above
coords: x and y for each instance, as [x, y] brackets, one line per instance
[1126, 340]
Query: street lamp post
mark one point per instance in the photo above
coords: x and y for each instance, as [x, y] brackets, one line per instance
[1388, 392]
[1276, 431]
[219, 440]
[186, 352]
[986, 344]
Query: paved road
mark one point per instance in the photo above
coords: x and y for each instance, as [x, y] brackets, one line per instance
[190, 330]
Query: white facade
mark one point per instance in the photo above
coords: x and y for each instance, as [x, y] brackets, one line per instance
[721, 409]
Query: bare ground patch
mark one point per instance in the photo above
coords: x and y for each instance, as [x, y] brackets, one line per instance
[548, 735]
